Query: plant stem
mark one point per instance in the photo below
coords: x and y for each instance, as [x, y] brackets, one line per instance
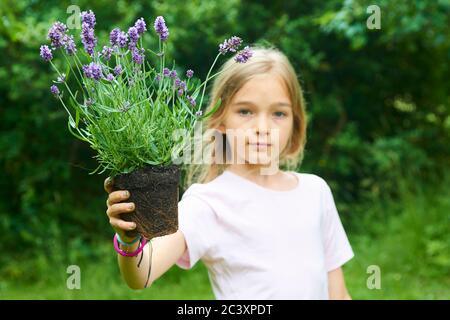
[65, 83]
[210, 69]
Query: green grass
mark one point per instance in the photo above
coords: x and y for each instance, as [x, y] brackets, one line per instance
[408, 239]
[101, 279]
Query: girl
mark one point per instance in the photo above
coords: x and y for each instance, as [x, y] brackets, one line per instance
[262, 233]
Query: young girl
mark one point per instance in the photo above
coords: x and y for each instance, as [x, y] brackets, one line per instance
[262, 235]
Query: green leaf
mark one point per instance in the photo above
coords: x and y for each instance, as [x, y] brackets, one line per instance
[67, 71]
[107, 109]
[77, 117]
[121, 129]
[214, 109]
[70, 123]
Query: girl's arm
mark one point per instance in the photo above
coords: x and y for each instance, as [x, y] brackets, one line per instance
[164, 251]
[336, 285]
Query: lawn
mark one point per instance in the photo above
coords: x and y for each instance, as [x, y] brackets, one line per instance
[410, 245]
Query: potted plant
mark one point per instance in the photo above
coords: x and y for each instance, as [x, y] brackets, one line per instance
[127, 109]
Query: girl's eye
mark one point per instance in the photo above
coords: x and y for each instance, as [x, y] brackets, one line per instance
[244, 112]
[280, 114]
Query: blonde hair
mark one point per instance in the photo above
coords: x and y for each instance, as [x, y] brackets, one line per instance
[232, 77]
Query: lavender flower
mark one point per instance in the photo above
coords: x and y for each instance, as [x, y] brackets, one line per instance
[110, 77]
[180, 92]
[137, 58]
[93, 71]
[189, 73]
[161, 29]
[244, 55]
[113, 36]
[166, 72]
[88, 17]
[199, 113]
[180, 84]
[158, 78]
[69, 44]
[87, 38]
[46, 53]
[56, 34]
[173, 74]
[191, 100]
[106, 52]
[231, 44]
[140, 26]
[122, 39]
[55, 91]
[133, 34]
[118, 70]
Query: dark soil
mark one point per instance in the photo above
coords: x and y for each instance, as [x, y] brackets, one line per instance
[154, 191]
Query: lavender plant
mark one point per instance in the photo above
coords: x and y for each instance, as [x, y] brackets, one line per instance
[125, 108]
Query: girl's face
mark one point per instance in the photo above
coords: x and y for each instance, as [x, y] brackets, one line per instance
[259, 117]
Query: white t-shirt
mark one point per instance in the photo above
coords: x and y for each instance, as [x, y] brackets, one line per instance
[259, 243]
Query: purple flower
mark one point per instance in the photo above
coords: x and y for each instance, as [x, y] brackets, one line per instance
[137, 58]
[180, 84]
[122, 39]
[191, 100]
[180, 92]
[88, 17]
[56, 34]
[87, 38]
[93, 71]
[109, 77]
[54, 90]
[133, 34]
[244, 55]
[173, 74]
[231, 44]
[199, 113]
[166, 72]
[161, 29]
[118, 70]
[140, 26]
[158, 77]
[46, 53]
[106, 52]
[189, 73]
[69, 44]
[113, 35]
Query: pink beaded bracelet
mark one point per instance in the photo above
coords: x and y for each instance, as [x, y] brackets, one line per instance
[142, 244]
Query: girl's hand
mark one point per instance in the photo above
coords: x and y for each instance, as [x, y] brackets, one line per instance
[117, 207]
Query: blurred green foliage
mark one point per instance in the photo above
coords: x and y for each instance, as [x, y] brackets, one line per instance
[378, 103]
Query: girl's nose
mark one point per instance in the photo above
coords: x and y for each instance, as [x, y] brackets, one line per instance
[262, 125]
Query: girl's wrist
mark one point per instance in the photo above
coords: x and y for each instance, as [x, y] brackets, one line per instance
[125, 240]
[128, 249]
[131, 248]
[128, 244]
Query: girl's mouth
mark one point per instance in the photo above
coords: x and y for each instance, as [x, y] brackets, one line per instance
[260, 144]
